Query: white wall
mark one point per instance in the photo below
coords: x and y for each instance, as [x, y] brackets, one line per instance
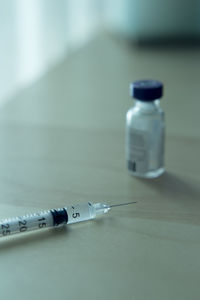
[35, 34]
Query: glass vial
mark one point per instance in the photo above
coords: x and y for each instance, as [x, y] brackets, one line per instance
[145, 130]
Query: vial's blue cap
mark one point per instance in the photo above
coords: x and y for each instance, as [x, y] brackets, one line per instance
[146, 90]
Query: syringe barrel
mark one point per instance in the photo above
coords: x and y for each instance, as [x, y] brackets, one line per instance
[50, 218]
[80, 212]
[25, 223]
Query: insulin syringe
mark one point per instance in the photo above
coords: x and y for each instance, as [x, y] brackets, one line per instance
[55, 217]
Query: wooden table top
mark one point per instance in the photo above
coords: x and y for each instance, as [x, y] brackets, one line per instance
[62, 142]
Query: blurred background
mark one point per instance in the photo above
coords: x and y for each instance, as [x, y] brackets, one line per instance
[37, 34]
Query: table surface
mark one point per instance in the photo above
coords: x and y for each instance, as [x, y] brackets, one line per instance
[62, 142]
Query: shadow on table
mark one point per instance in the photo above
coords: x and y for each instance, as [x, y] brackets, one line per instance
[171, 197]
[175, 186]
[31, 237]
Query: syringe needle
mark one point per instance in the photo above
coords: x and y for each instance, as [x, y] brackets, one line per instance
[115, 205]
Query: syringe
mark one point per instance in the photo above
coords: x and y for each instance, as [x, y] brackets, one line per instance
[55, 217]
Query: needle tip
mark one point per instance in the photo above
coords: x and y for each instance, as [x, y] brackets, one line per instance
[121, 204]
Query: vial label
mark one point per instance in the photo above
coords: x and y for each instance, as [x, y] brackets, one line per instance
[136, 150]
